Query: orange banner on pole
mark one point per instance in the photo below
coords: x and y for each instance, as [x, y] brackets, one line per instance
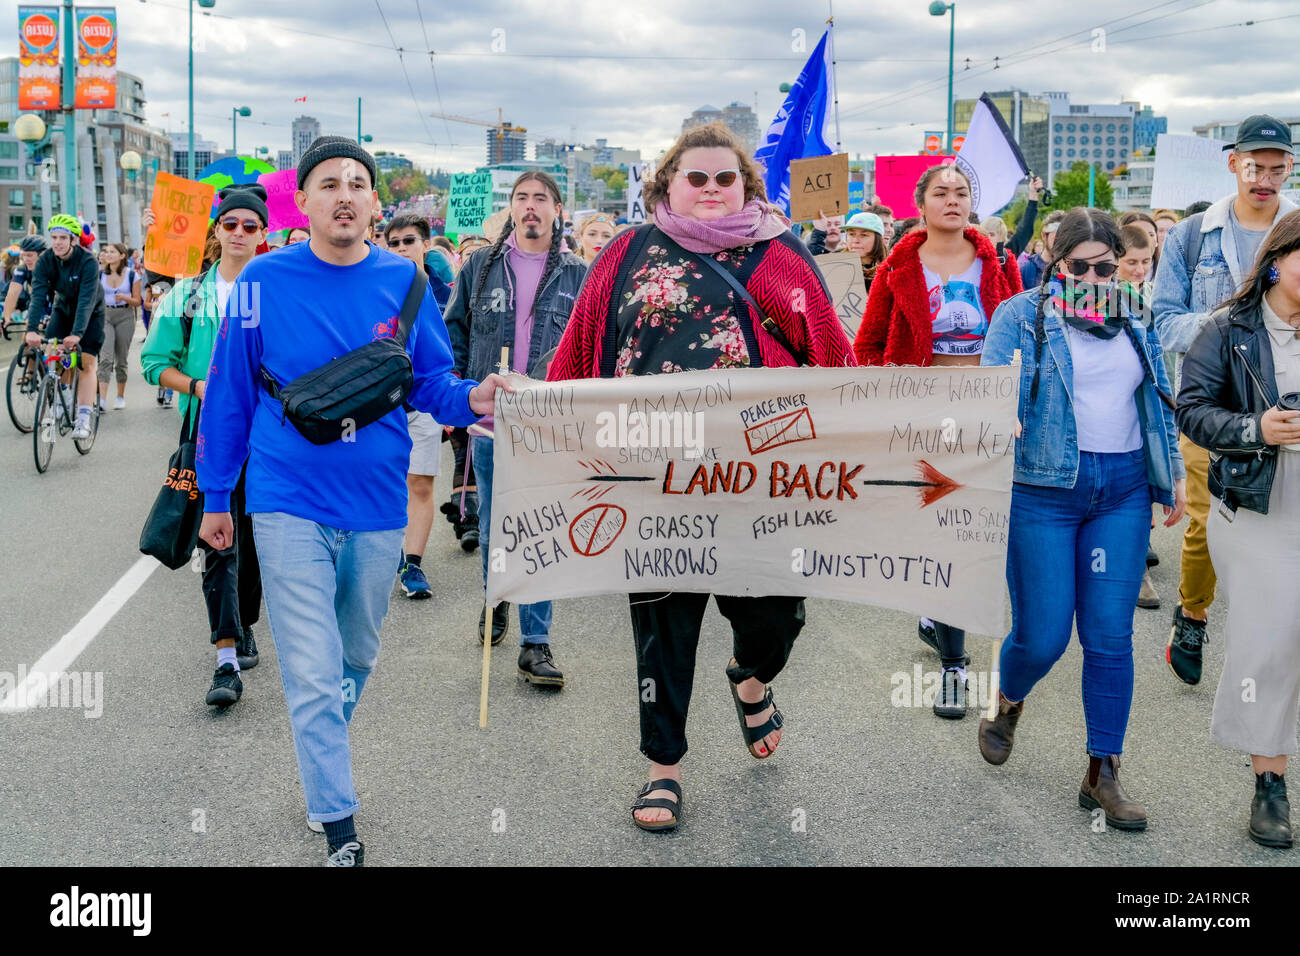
[38, 58]
[174, 245]
[96, 58]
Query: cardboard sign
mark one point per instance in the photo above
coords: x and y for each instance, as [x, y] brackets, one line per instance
[494, 223]
[819, 183]
[39, 73]
[280, 206]
[96, 58]
[896, 178]
[884, 486]
[637, 173]
[1189, 169]
[174, 244]
[843, 274]
[469, 201]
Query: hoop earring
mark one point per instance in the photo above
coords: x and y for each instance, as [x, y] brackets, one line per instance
[1274, 277]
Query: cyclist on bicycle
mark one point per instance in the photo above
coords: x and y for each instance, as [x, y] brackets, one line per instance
[66, 281]
[20, 286]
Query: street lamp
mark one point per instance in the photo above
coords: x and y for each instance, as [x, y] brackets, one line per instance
[31, 130]
[235, 113]
[130, 162]
[206, 5]
[937, 9]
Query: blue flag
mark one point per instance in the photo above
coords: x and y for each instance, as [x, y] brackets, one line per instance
[796, 133]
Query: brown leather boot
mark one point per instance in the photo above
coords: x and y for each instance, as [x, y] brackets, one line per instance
[1101, 788]
[997, 734]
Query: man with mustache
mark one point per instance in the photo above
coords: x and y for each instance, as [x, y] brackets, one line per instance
[516, 294]
[1189, 285]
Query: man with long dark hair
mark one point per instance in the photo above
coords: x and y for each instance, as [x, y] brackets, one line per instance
[515, 294]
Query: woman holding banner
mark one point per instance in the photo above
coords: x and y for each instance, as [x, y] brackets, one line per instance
[930, 305]
[716, 280]
[1098, 447]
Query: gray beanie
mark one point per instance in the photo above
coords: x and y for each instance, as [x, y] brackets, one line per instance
[333, 147]
[244, 196]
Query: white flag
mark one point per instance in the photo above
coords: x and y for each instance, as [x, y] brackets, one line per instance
[991, 159]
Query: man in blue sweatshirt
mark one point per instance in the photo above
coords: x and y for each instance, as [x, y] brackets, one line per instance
[327, 519]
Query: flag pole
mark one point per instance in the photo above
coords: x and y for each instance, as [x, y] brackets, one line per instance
[835, 84]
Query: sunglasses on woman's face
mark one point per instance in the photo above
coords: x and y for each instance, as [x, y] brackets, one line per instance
[403, 241]
[1080, 267]
[250, 225]
[699, 178]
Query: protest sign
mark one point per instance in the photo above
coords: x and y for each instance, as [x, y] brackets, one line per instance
[39, 71]
[843, 274]
[280, 207]
[1189, 169]
[857, 197]
[884, 486]
[96, 82]
[494, 223]
[469, 202]
[819, 184]
[636, 177]
[896, 178]
[174, 243]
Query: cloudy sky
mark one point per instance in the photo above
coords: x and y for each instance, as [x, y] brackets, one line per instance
[576, 70]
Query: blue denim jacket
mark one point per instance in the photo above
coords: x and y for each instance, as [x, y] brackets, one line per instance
[1047, 453]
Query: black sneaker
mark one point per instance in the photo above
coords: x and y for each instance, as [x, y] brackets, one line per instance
[951, 702]
[226, 687]
[467, 527]
[246, 650]
[538, 667]
[500, 622]
[927, 635]
[1183, 653]
[352, 853]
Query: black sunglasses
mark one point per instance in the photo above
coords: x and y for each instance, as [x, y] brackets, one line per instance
[250, 225]
[1079, 268]
[403, 241]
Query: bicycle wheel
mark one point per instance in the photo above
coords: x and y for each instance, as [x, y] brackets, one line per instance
[85, 444]
[20, 390]
[45, 432]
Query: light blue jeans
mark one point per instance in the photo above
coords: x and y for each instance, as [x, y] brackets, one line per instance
[326, 595]
[534, 619]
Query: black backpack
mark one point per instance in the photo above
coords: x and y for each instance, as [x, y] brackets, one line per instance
[352, 391]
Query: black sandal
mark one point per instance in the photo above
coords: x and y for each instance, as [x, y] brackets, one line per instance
[659, 803]
[753, 735]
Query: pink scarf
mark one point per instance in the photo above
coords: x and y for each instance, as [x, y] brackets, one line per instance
[755, 222]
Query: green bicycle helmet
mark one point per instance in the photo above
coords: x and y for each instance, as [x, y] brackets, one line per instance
[69, 224]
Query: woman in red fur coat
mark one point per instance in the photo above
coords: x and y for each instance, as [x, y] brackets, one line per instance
[930, 304]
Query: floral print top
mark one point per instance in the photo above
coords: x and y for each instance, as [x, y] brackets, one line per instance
[677, 315]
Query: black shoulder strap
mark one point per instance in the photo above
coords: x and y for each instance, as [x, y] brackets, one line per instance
[609, 344]
[191, 303]
[1192, 251]
[411, 307]
[769, 325]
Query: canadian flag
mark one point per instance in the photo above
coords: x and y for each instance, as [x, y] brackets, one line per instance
[300, 99]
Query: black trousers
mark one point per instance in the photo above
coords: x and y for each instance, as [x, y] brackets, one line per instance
[666, 629]
[232, 580]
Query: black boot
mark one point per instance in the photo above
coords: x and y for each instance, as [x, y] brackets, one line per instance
[538, 667]
[467, 526]
[1270, 813]
[451, 510]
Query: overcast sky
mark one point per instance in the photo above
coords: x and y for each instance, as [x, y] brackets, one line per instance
[577, 71]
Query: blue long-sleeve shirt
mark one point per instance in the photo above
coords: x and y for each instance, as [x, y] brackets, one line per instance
[291, 313]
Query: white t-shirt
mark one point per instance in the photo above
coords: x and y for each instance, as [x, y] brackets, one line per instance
[1106, 374]
[957, 315]
[223, 292]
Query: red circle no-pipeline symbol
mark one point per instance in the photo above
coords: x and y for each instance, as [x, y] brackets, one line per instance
[593, 535]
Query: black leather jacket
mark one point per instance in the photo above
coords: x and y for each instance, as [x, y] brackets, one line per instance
[1228, 384]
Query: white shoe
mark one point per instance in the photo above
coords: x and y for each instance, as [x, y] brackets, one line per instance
[100, 402]
[119, 402]
[82, 429]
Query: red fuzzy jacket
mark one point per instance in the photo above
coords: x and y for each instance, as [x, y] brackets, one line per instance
[785, 284]
[896, 329]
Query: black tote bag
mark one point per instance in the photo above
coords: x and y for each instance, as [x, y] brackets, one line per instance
[171, 532]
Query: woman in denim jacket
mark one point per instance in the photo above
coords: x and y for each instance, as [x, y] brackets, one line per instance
[1097, 448]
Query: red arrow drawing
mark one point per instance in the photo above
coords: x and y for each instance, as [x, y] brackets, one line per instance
[934, 484]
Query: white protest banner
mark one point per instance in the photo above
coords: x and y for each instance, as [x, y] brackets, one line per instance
[1189, 169]
[884, 486]
[843, 274]
[636, 174]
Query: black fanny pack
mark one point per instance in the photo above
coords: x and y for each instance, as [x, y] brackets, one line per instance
[352, 391]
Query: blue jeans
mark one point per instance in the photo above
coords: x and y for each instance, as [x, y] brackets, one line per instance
[326, 594]
[534, 619]
[1078, 554]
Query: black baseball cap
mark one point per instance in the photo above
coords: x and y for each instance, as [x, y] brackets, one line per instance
[1262, 132]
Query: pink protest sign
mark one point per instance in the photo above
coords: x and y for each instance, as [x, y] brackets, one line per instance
[280, 187]
[896, 178]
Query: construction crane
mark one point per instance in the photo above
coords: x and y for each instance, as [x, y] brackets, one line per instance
[500, 125]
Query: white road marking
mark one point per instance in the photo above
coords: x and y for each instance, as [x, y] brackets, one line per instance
[59, 658]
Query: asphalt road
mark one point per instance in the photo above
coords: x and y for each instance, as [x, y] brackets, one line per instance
[159, 778]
